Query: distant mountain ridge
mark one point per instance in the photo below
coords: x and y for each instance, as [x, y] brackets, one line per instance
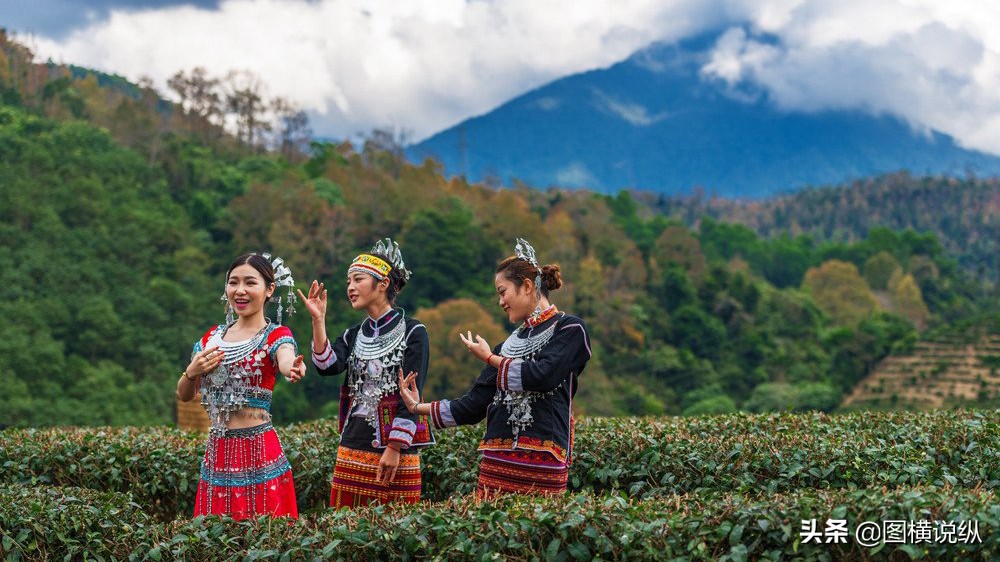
[652, 122]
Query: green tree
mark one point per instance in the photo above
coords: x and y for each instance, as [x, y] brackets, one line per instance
[676, 245]
[908, 301]
[712, 405]
[840, 291]
[449, 255]
[879, 269]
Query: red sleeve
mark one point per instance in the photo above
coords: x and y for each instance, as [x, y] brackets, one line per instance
[278, 337]
[200, 344]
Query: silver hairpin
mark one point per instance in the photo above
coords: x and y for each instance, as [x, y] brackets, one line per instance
[282, 278]
[524, 251]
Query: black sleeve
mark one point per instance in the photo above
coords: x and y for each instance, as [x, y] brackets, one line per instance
[471, 407]
[333, 360]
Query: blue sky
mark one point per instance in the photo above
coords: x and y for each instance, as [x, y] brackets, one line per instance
[424, 65]
[56, 18]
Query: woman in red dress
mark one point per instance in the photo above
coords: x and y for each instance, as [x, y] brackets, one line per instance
[245, 472]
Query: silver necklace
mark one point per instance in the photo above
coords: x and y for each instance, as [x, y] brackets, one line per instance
[371, 347]
[518, 402]
[516, 348]
[373, 365]
[227, 388]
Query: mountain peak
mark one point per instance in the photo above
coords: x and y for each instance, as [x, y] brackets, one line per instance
[658, 121]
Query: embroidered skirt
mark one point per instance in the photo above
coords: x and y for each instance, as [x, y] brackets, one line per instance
[520, 472]
[354, 482]
[245, 474]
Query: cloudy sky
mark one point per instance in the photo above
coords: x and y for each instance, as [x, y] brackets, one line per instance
[425, 65]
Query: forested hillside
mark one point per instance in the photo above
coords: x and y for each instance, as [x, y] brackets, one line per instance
[963, 214]
[119, 212]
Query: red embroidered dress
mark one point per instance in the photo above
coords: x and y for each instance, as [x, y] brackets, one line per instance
[245, 472]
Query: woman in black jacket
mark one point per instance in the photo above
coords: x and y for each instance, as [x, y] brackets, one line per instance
[526, 389]
[377, 460]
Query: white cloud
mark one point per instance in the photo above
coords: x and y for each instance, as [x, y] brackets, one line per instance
[935, 64]
[357, 64]
[576, 175]
[633, 113]
[428, 64]
[547, 103]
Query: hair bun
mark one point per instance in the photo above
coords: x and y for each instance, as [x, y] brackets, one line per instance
[551, 276]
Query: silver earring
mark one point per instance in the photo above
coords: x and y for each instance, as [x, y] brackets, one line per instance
[230, 316]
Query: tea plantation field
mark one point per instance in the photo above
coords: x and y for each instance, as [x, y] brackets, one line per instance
[734, 487]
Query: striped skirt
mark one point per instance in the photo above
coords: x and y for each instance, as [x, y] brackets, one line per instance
[245, 474]
[354, 482]
[520, 472]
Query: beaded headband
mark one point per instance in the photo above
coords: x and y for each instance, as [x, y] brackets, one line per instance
[372, 265]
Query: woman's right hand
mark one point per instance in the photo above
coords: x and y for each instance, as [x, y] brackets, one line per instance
[408, 391]
[205, 361]
[316, 301]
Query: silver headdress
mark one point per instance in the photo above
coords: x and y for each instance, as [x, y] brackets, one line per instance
[526, 252]
[282, 278]
[390, 249]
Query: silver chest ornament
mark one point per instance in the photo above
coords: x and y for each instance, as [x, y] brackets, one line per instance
[227, 388]
[518, 402]
[373, 368]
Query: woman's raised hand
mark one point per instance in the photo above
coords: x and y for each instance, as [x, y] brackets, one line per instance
[477, 346]
[205, 361]
[408, 391]
[316, 301]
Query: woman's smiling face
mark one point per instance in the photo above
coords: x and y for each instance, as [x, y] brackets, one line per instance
[246, 290]
[517, 302]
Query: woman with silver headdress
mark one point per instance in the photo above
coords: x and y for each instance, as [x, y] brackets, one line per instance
[526, 389]
[377, 461]
[235, 365]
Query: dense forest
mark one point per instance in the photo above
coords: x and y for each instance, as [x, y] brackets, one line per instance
[962, 213]
[119, 211]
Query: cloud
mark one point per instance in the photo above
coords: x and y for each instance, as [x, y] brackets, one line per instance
[547, 103]
[934, 64]
[634, 113]
[357, 64]
[576, 175]
[428, 64]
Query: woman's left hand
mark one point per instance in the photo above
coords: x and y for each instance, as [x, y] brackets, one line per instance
[408, 391]
[387, 466]
[478, 346]
[297, 371]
